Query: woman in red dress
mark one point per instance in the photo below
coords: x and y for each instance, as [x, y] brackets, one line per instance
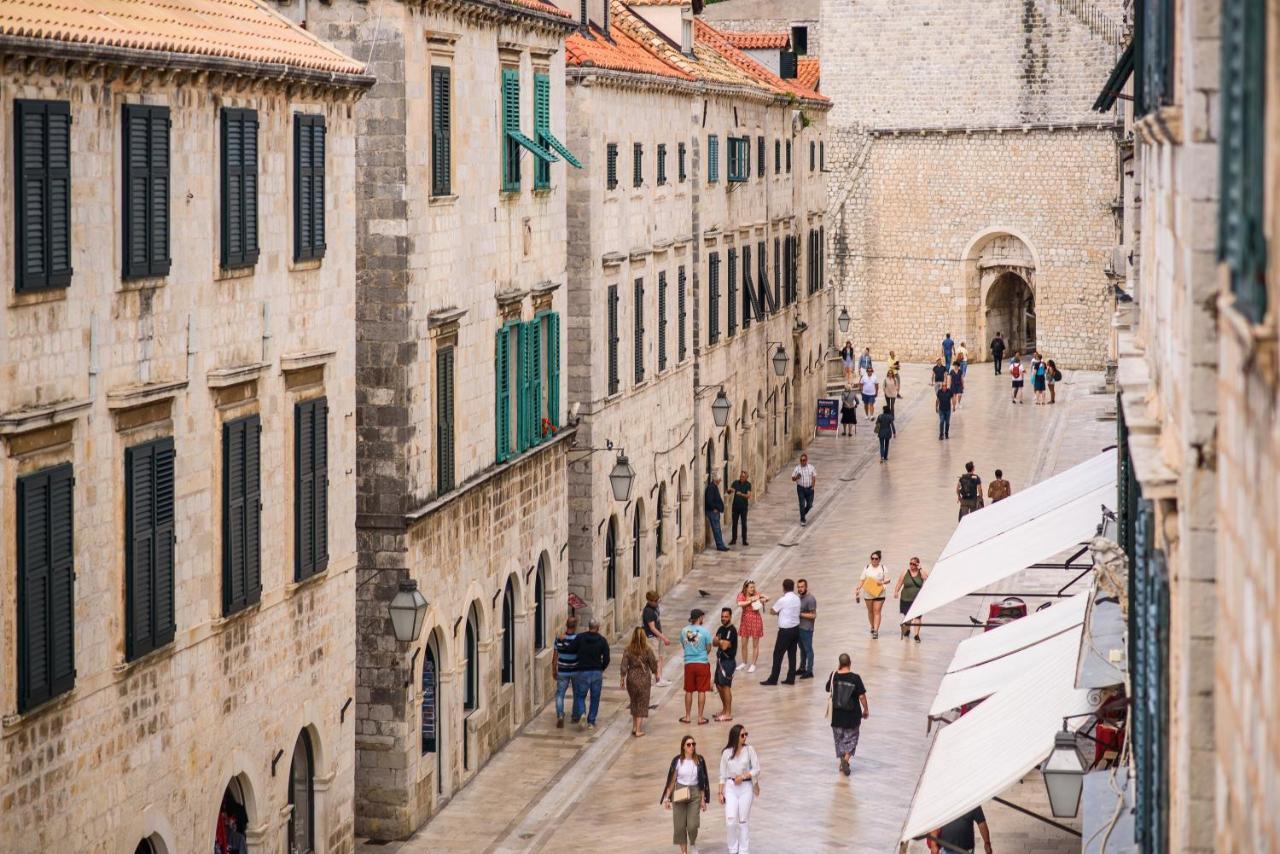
[751, 624]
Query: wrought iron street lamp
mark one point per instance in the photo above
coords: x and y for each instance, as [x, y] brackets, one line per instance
[1063, 772]
[621, 478]
[780, 361]
[720, 409]
[408, 611]
[843, 320]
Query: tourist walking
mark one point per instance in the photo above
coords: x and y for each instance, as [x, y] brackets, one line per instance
[1053, 376]
[968, 491]
[740, 489]
[939, 371]
[788, 610]
[848, 705]
[687, 793]
[848, 411]
[999, 489]
[751, 623]
[909, 584]
[873, 585]
[726, 644]
[864, 361]
[805, 477]
[956, 380]
[713, 507]
[870, 388]
[593, 661]
[639, 667]
[948, 347]
[1039, 378]
[696, 642]
[894, 366]
[1015, 376]
[956, 835]
[847, 355]
[943, 405]
[997, 351]
[962, 358]
[651, 620]
[892, 389]
[808, 613]
[885, 430]
[739, 776]
[564, 667]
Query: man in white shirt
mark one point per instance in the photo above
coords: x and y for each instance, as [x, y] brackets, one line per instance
[806, 478]
[870, 388]
[788, 610]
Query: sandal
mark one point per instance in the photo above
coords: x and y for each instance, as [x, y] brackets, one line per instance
[721, 719]
[702, 721]
[685, 721]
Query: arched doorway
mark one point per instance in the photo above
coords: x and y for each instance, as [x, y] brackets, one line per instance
[508, 633]
[233, 819]
[1011, 311]
[302, 797]
[611, 559]
[999, 293]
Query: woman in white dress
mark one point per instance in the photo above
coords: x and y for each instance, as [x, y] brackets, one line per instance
[739, 771]
[872, 586]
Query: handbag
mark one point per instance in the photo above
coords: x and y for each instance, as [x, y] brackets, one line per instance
[873, 588]
[756, 606]
[680, 794]
[831, 680]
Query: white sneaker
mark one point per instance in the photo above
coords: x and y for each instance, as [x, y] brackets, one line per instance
[662, 683]
[751, 669]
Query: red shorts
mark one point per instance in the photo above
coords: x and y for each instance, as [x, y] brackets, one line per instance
[697, 676]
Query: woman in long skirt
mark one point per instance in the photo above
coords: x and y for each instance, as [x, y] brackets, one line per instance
[848, 411]
[639, 667]
[848, 710]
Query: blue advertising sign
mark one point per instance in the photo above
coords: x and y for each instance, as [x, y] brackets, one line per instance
[828, 414]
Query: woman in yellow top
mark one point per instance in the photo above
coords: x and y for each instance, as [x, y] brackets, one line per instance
[873, 585]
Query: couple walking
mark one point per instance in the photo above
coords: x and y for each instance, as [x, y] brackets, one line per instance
[687, 791]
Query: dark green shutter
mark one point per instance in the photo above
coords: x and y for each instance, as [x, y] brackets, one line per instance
[241, 514]
[822, 258]
[731, 286]
[637, 164]
[553, 367]
[662, 320]
[541, 123]
[713, 159]
[639, 331]
[308, 187]
[611, 156]
[149, 547]
[681, 338]
[788, 157]
[777, 272]
[680, 156]
[510, 123]
[822, 156]
[531, 350]
[713, 298]
[146, 191]
[662, 164]
[311, 487]
[502, 391]
[45, 586]
[613, 339]
[777, 156]
[239, 188]
[749, 296]
[760, 156]
[42, 216]
[446, 475]
[441, 133]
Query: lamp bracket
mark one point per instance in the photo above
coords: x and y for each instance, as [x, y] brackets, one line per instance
[1037, 817]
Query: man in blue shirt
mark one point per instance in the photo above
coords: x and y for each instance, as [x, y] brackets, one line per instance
[564, 667]
[696, 640]
[947, 346]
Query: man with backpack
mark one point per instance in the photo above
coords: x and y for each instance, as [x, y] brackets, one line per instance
[997, 351]
[848, 709]
[969, 491]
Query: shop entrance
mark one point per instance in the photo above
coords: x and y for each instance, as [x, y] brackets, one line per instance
[233, 821]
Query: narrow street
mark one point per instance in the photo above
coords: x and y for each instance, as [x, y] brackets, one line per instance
[569, 790]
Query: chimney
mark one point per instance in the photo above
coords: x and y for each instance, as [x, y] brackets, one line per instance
[666, 18]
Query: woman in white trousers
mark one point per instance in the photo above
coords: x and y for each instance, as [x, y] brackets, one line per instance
[739, 773]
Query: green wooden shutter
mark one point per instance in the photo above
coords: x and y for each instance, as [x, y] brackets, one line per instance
[502, 391]
[45, 586]
[613, 339]
[760, 157]
[42, 153]
[510, 124]
[523, 408]
[680, 156]
[241, 514]
[788, 157]
[611, 157]
[553, 367]
[662, 320]
[749, 296]
[637, 164]
[446, 474]
[541, 127]
[638, 326]
[441, 131]
[149, 547]
[662, 164]
[681, 335]
[713, 159]
[713, 298]
[777, 156]
[731, 285]
[145, 208]
[253, 510]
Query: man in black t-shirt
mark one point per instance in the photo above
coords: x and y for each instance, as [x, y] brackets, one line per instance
[726, 644]
[944, 395]
[959, 833]
[740, 489]
[969, 491]
[652, 622]
[997, 351]
[939, 374]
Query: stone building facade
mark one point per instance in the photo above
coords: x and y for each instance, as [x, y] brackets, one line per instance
[177, 342]
[461, 465]
[672, 240]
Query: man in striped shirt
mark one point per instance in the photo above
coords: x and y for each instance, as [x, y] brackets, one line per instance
[564, 667]
[806, 478]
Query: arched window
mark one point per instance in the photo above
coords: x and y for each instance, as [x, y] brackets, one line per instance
[611, 560]
[724, 483]
[681, 490]
[711, 457]
[539, 611]
[145, 847]
[471, 688]
[508, 634]
[302, 830]
[430, 691]
[636, 534]
[657, 519]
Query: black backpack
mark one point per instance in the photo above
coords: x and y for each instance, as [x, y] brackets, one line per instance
[968, 486]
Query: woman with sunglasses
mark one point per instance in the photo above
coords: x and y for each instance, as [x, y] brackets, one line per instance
[908, 586]
[739, 771]
[751, 623]
[687, 793]
[873, 584]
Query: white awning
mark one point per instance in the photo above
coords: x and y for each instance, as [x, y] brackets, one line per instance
[978, 683]
[995, 745]
[1102, 644]
[1026, 528]
[1020, 634]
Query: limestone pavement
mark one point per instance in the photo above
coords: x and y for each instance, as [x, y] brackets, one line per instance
[558, 790]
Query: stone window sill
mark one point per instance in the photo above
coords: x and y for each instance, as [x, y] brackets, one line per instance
[305, 264]
[40, 297]
[233, 273]
[443, 201]
[144, 283]
[293, 587]
[156, 655]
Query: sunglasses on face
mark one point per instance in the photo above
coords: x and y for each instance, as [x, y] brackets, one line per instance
[744, 735]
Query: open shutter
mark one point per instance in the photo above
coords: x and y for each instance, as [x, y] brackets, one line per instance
[510, 124]
[731, 284]
[249, 167]
[662, 320]
[542, 126]
[233, 516]
[681, 340]
[321, 466]
[553, 368]
[502, 391]
[750, 300]
[159, 187]
[441, 136]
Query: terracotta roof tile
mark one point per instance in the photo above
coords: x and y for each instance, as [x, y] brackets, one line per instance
[541, 6]
[623, 54]
[243, 30]
[757, 41]
[705, 34]
[808, 73]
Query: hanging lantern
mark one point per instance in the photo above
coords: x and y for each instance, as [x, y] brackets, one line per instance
[1064, 775]
[408, 610]
[843, 319]
[621, 478]
[780, 362]
[720, 409]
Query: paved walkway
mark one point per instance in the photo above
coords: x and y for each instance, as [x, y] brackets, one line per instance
[568, 790]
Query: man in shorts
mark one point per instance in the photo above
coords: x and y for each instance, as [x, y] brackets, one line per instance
[726, 662]
[696, 641]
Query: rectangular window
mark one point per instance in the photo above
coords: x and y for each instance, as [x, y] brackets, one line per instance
[760, 157]
[446, 476]
[519, 385]
[800, 40]
[46, 585]
[637, 164]
[611, 161]
[713, 298]
[713, 159]
[739, 159]
[241, 514]
[613, 339]
[145, 207]
[777, 272]
[681, 337]
[662, 320]
[308, 187]
[822, 156]
[777, 157]
[788, 157]
[813, 155]
[239, 188]
[550, 336]
[638, 320]
[542, 127]
[749, 296]
[441, 130]
[731, 284]
[148, 547]
[310, 487]
[42, 168]
[680, 158]
[662, 164]
[1242, 241]
[513, 139]
[1153, 56]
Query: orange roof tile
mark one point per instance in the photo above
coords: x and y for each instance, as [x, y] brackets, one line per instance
[622, 54]
[541, 6]
[757, 41]
[712, 38]
[808, 73]
[238, 30]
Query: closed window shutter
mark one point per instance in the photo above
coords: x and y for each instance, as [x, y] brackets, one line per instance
[308, 187]
[682, 340]
[43, 207]
[680, 155]
[822, 258]
[446, 476]
[777, 271]
[441, 134]
[553, 368]
[613, 339]
[760, 157]
[612, 158]
[777, 156]
[311, 493]
[637, 164]
[149, 547]
[713, 159]
[662, 320]
[253, 510]
[731, 284]
[533, 332]
[46, 592]
[713, 298]
[146, 191]
[788, 157]
[502, 391]
[541, 123]
[239, 188]
[241, 505]
[662, 164]
[523, 374]
[639, 330]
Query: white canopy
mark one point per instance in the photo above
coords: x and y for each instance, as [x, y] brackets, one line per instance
[1020, 634]
[978, 683]
[1046, 519]
[997, 744]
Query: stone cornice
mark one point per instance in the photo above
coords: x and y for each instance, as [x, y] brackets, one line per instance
[962, 130]
[494, 12]
[588, 75]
